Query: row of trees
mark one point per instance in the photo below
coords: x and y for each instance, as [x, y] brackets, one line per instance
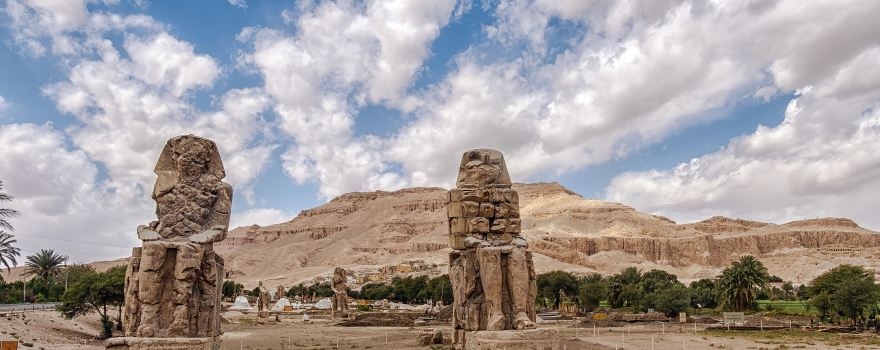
[844, 292]
[409, 290]
[403, 289]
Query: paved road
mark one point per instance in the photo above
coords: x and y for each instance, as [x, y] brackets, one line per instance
[26, 307]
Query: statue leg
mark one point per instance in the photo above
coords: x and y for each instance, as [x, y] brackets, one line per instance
[151, 289]
[186, 271]
[490, 278]
[519, 284]
[335, 304]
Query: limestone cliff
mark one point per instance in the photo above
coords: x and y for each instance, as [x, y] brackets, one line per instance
[372, 230]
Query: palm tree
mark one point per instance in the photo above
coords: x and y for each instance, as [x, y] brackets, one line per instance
[6, 213]
[7, 251]
[46, 264]
[625, 289]
[739, 284]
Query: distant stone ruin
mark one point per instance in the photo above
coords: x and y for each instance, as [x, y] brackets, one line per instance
[173, 284]
[263, 301]
[340, 293]
[490, 268]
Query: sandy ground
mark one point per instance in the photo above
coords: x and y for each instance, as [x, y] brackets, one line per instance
[292, 333]
[48, 330]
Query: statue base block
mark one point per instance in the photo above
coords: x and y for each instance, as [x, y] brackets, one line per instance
[134, 343]
[529, 339]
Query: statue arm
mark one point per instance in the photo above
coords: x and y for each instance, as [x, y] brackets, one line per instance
[218, 221]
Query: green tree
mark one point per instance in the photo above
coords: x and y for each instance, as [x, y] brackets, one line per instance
[376, 291]
[739, 284]
[652, 283]
[96, 291]
[409, 289]
[672, 299]
[232, 289]
[297, 290]
[8, 252]
[552, 284]
[6, 213]
[788, 291]
[703, 294]
[438, 288]
[625, 289]
[591, 291]
[45, 265]
[319, 290]
[73, 273]
[846, 289]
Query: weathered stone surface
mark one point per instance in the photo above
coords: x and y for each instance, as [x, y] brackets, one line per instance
[430, 337]
[174, 281]
[491, 270]
[340, 293]
[131, 343]
[480, 167]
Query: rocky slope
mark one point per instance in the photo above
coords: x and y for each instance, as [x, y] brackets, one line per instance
[368, 231]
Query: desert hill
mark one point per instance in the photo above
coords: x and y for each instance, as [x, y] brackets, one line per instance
[381, 234]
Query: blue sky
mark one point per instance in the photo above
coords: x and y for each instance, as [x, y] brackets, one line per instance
[676, 109]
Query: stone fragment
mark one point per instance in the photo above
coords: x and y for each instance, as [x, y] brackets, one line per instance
[487, 210]
[458, 226]
[474, 195]
[510, 196]
[513, 226]
[455, 210]
[478, 225]
[498, 226]
[471, 209]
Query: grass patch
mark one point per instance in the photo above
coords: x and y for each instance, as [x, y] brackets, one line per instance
[788, 307]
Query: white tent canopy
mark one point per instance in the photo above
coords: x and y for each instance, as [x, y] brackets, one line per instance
[280, 304]
[241, 303]
[324, 304]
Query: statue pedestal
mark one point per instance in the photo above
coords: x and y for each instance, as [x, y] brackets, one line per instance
[529, 339]
[135, 343]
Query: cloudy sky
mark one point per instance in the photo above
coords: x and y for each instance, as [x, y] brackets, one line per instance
[761, 110]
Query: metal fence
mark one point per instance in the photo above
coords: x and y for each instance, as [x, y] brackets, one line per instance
[14, 308]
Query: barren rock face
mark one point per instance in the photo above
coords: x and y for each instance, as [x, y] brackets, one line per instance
[565, 231]
[173, 282]
[490, 267]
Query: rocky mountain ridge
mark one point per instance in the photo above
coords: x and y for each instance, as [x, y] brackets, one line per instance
[369, 231]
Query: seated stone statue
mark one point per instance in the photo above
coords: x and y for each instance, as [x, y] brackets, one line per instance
[490, 268]
[340, 293]
[174, 281]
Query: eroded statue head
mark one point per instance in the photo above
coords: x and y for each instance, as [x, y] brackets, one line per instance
[482, 167]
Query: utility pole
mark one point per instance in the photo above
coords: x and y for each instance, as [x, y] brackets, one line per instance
[65, 272]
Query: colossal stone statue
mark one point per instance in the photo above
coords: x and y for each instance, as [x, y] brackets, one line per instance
[262, 301]
[174, 281]
[340, 293]
[490, 267]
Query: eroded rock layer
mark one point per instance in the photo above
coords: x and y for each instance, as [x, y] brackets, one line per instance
[371, 230]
